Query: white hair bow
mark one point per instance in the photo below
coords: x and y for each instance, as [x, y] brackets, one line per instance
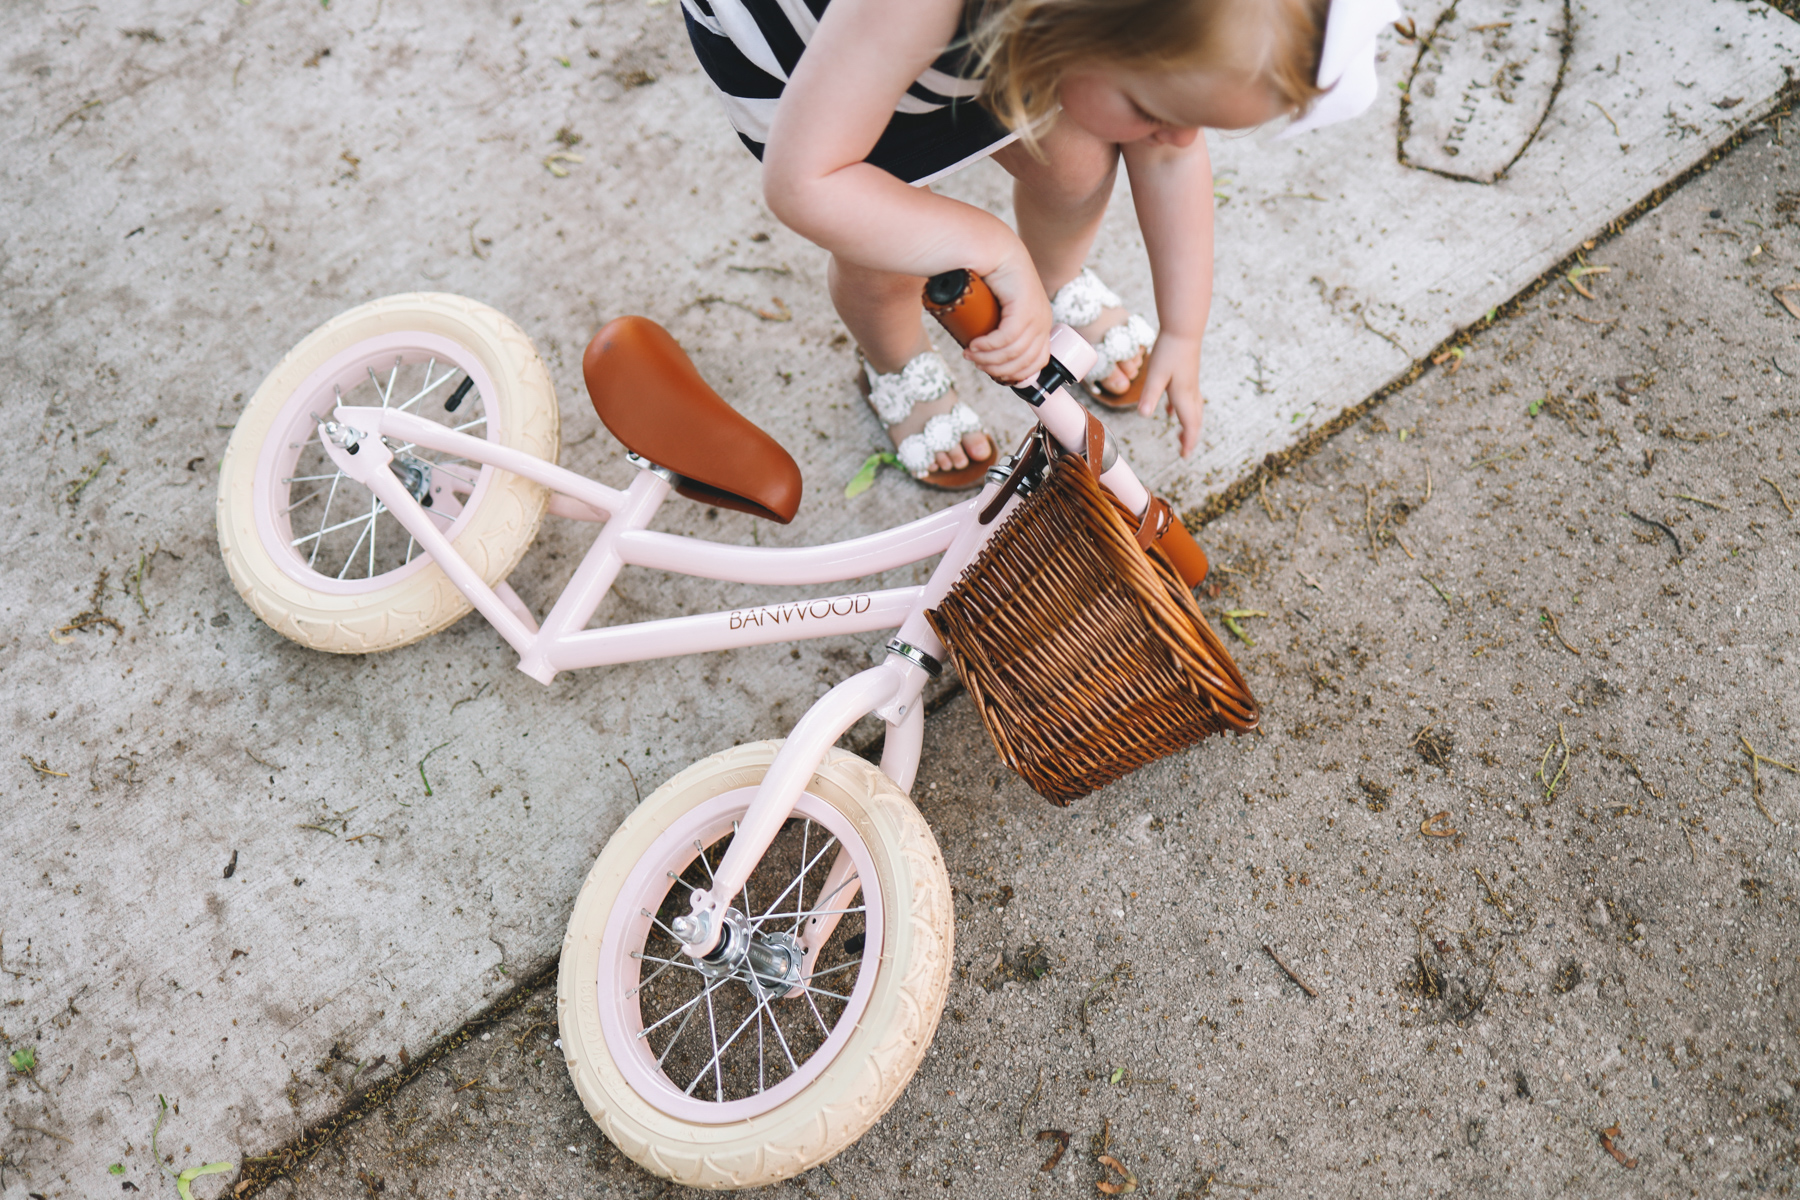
[1347, 62]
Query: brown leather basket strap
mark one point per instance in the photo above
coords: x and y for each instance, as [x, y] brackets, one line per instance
[1155, 522]
[1096, 445]
[962, 304]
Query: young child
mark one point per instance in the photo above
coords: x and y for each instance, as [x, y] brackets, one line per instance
[856, 108]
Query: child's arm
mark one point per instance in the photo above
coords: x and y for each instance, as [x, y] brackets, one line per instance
[863, 56]
[1172, 187]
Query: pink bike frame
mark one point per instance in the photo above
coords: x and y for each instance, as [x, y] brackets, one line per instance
[563, 641]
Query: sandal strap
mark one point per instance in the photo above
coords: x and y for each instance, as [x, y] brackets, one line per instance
[918, 453]
[920, 381]
[1121, 342]
[1081, 300]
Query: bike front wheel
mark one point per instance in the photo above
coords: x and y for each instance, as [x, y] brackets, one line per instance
[733, 1073]
[317, 557]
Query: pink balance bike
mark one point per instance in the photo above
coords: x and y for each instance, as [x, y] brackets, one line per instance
[757, 961]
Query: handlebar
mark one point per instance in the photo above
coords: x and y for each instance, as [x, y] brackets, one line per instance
[967, 308]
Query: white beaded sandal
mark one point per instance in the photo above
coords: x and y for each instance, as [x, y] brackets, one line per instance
[1079, 303]
[921, 381]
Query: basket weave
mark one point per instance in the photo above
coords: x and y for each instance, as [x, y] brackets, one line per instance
[1085, 654]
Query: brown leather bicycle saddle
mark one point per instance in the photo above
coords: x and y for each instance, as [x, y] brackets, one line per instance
[648, 393]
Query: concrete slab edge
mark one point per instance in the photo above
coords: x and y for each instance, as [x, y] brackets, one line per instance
[1277, 464]
[260, 1171]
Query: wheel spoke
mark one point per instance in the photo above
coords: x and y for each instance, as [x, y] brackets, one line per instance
[799, 900]
[367, 532]
[340, 525]
[679, 1030]
[704, 994]
[666, 962]
[830, 842]
[823, 1028]
[377, 383]
[782, 1038]
[647, 981]
[815, 912]
[840, 887]
[430, 384]
[682, 879]
[855, 962]
[821, 991]
[296, 504]
[712, 1025]
[323, 517]
[718, 1050]
[468, 425]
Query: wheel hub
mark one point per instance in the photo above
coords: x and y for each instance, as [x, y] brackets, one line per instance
[769, 964]
[415, 475]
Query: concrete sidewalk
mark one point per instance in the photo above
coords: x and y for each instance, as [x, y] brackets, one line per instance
[1502, 822]
[226, 865]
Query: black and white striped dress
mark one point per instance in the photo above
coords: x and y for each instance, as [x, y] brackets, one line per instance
[750, 47]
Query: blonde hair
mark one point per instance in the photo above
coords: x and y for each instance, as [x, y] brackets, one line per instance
[1022, 49]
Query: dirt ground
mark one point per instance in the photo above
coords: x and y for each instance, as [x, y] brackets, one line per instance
[1498, 906]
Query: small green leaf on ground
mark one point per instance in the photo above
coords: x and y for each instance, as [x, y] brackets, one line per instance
[23, 1060]
[1231, 622]
[184, 1181]
[1118, 1074]
[116, 1169]
[864, 479]
[422, 778]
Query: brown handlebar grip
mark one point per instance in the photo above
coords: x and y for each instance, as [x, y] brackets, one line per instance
[962, 304]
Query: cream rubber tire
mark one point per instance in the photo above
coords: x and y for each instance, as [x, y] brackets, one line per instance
[886, 1038]
[492, 530]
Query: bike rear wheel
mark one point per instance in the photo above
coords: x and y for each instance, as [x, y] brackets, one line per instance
[728, 1074]
[312, 552]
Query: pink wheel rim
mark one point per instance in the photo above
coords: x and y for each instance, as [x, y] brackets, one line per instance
[622, 1017]
[293, 430]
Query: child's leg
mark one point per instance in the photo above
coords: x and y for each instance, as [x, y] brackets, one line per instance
[1058, 205]
[883, 313]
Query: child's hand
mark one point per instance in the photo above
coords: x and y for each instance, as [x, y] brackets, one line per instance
[1019, 347]
[1174, 366]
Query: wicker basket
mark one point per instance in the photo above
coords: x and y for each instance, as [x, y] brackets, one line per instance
[1085, 653]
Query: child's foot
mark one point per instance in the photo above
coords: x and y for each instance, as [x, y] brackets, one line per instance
[938, 439]
[1122, 338]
